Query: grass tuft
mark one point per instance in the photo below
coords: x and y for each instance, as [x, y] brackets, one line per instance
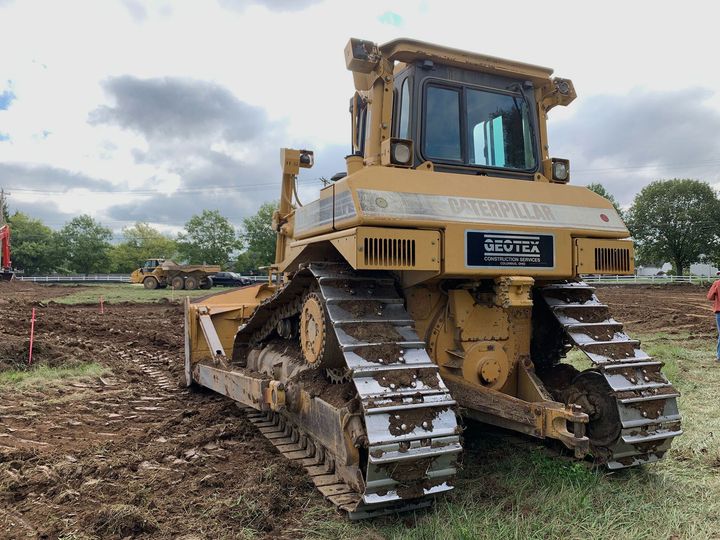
[124, 519]
[44, 373]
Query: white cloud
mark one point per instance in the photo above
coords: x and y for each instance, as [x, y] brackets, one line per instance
[285, 59]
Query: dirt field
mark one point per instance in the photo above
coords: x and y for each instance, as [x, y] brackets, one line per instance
[129, 452]
[676, 309]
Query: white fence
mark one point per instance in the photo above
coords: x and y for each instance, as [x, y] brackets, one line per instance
[644, 280]
[97, 278]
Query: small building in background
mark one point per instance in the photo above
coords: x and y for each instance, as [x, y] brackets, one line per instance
[697, 269]
[653, 270]
[702, 269]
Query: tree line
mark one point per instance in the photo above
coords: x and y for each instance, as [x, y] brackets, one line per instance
[676, 221]
[85, 246]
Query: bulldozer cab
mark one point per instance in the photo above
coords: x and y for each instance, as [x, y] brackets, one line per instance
[465, 121]
[453, 111]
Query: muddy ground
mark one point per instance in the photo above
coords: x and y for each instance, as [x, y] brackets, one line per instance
[132, 453]
[673, 309]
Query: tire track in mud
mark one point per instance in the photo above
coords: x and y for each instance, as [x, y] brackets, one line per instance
[154, 366]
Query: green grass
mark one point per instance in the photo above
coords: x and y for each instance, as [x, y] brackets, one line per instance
[125, 292]
[515, 488]
[43, 373]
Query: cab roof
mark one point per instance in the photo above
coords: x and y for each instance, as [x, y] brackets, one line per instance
[412, 50]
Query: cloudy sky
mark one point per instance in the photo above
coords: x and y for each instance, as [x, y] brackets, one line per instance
[154, 110]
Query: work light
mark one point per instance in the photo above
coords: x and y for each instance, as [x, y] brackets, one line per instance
[560, 170]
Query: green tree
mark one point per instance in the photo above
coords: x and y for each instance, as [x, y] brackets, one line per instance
[85, 244]
[209, 238]
[600, 190]
[34, 246]
[141, 242]
[258, 238]
[675, 220]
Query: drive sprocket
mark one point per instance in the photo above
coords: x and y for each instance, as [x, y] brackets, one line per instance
[317, 338]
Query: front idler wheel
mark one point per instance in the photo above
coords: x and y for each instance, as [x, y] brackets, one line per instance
[593, 394]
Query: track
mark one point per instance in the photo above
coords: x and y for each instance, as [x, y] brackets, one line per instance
[645, 401]
[412, 437]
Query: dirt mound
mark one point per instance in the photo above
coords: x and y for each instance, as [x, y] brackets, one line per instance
[15, 286]
[26, 290]
[15, 353]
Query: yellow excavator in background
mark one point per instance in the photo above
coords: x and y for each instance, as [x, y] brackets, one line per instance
[439, 274]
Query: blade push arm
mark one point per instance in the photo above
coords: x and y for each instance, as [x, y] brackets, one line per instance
[292, 161]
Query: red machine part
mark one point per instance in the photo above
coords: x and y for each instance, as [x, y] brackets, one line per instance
[5, 263]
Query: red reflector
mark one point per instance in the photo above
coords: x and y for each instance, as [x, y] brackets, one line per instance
[604, 218]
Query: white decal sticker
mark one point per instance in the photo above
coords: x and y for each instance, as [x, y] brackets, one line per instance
[323, 211]
[465, 209]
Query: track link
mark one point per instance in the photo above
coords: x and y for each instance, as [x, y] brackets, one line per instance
[646, 400]
[412, 432]
[289, 441]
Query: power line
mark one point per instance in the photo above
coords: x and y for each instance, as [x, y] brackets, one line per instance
[689, 165]
[216, 189]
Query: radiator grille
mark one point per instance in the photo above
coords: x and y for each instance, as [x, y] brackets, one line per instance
[612, 259]
[389, 252]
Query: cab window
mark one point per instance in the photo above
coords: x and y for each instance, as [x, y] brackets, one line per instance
[404, 122]
[478, 127]
[442, 123]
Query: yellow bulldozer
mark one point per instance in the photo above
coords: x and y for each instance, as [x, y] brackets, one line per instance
[438, 275]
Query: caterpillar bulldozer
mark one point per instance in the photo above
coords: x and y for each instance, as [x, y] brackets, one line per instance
[437, 276]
